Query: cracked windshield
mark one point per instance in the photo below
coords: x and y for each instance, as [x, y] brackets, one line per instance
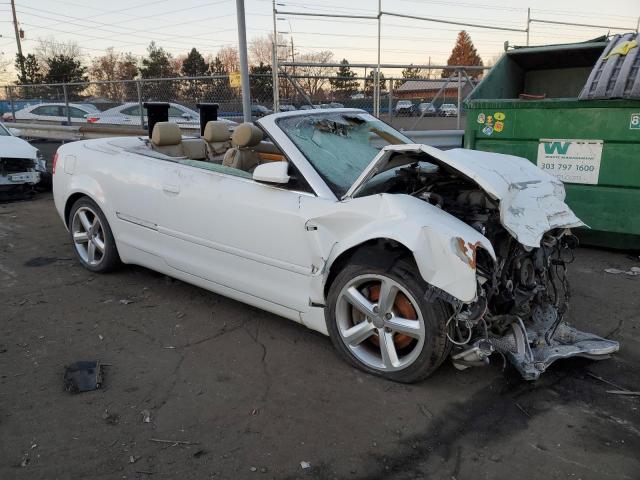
[340, 145]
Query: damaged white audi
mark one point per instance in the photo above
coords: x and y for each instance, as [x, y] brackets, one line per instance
[403, 254]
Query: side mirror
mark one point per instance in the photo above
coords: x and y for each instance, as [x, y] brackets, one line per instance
[272, 172]
[186, 115]
[16, 132]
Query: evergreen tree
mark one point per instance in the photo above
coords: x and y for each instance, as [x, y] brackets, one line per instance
[368, 83]
[411, 72]
[463, 53]
[157, 64]
[343, 83]
[261, 82]
[28, 69]
[194, 65]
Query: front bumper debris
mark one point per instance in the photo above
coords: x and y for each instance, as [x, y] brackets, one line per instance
[531, 348]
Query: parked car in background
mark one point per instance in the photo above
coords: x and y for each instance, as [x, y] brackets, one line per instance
[357, 96]
[260, 111]
[53, 112]
[448, 110]
[427, 110]
[22, 166]
[129, 114]
[306, 106]
[404, 107]
[287, 108]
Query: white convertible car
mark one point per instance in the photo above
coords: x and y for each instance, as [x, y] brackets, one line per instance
[402, 253]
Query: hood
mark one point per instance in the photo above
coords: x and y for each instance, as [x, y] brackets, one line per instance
[531, 201]
[14, 147]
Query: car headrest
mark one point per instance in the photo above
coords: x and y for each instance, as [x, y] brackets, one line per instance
[166, 133]
[216, 131]
[246, 135]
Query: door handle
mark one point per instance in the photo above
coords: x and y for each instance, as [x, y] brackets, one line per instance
[171, 188]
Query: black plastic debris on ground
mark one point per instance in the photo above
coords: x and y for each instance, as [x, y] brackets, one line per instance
[83, 376]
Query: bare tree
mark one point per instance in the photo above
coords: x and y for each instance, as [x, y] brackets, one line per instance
[229, 58]
[318, 75]
[261, 49]
[50, 47]
[114, 66]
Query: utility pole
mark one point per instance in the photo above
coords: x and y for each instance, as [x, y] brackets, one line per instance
[528, 24]
[17, 31]
[244, 66]
[274, 62]
[376, 76]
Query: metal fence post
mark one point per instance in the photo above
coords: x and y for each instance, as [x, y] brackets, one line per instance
[13, 106]
[139, 90]
[459, 98]
[390, 101]
[66, 102]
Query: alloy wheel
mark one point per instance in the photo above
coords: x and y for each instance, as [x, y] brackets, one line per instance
[380, 322]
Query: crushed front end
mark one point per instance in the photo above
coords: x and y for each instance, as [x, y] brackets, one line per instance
[523, 298]
[523, 294]
[18, 177]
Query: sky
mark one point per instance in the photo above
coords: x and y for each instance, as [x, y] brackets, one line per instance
[129, 25]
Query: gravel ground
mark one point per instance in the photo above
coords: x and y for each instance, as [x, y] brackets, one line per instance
[254, 395]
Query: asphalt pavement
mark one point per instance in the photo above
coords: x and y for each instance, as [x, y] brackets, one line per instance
[233, 392]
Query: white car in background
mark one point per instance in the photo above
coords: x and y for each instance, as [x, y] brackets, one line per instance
[403, 254]
[129, 114]
[53, 112]
[449, 110]
[22, 166]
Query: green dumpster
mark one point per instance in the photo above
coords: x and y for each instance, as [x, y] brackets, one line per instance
[574, 110]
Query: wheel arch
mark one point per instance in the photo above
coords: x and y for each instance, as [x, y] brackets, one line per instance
[367, 250]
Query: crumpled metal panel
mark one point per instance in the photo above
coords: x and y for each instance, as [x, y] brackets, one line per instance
[531, 200]
[616, 74]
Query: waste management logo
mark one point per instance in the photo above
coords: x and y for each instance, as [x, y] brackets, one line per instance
[570, 160]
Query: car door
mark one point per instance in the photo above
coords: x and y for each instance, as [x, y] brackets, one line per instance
[239, 233]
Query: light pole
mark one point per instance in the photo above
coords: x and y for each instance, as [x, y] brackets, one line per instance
[244, 65]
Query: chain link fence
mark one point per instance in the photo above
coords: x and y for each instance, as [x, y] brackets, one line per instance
[410, 104]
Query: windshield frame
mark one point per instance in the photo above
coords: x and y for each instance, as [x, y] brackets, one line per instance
[337, 193]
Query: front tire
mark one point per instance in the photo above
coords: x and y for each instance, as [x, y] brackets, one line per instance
[379, 321]
[92, 238]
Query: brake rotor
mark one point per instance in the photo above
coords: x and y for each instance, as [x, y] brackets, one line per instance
[402, 305]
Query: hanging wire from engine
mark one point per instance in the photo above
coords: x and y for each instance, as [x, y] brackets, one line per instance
[468, 324]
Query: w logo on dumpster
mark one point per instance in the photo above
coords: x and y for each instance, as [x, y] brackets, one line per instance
[556, 147]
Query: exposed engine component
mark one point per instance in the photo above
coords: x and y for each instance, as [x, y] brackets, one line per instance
[522, 296]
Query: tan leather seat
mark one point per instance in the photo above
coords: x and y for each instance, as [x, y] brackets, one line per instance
[242, 156]
[218, 139]
[166, 138]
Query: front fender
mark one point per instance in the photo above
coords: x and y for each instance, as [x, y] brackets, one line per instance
[443, 246]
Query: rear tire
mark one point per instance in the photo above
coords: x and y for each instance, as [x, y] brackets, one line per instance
[371, 307]
[92, 238]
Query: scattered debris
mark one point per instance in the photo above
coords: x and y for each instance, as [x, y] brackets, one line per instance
[126, 301]
[608, 382]
[173, 442]
[83, 376]
[615, 271]
[100, 337]
[133, 459]
[255, 412]
[25, 460]
[305, 465]
[110, 418]
[200, 453]
[521, 408]
[263, 470]
[253, 469]
[623, 392]
[146, 416]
